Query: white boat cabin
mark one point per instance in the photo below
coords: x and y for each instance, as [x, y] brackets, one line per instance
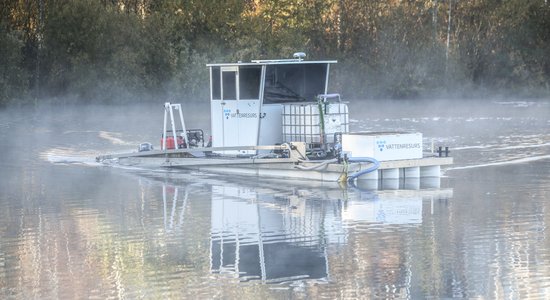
[247, 99]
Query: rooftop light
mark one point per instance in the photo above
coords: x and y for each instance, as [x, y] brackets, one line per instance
[299, 55]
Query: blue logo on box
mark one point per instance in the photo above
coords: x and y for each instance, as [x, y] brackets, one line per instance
[381, 144]
[227, 113]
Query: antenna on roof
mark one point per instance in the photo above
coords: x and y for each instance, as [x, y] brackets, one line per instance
[299, 56]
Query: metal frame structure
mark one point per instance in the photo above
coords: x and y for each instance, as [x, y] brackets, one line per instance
[169, 109]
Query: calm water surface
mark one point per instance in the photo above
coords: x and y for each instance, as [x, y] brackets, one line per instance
[70, 228]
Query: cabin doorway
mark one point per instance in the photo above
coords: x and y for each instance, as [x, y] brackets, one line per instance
[235, 107]
[230, 83]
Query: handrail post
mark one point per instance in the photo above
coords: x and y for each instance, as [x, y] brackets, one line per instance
[163, 141]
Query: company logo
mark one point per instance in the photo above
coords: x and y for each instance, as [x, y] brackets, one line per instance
[228, 114]
[403, 146]
[244, 115]
[381, 144]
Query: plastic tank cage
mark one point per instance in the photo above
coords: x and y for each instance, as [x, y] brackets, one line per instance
[304, 122]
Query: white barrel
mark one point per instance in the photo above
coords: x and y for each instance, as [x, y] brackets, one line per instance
[369, 176]
[411, 183]
[430, 171]
[390, 173]
[390, 184]
[413, 172]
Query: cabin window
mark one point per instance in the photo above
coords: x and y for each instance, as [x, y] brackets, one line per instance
[229, 85]
[215, 81]
[294, 83]
[249, 82]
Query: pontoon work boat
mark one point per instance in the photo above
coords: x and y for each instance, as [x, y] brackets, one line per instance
[275, 118]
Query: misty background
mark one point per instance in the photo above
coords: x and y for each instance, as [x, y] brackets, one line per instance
[74, 228]
[117, 51]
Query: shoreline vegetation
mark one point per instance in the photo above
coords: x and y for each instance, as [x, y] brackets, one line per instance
[123, 51]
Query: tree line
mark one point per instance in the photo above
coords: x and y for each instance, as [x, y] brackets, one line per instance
[114, 51]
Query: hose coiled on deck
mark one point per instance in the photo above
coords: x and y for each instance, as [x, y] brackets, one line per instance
[317, 166]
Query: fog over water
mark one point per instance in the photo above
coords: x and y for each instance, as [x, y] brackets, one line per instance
[73, 228]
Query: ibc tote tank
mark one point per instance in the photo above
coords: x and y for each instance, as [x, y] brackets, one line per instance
[302, 122]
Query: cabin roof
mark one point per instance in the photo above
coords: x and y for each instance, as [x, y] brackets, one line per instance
[273, 62]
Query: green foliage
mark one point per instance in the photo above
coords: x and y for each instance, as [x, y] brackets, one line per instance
[12, 75]
[505, 42]
[92, 50]
[128, 50]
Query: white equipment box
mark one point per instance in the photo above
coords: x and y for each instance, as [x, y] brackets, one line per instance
[383, 146]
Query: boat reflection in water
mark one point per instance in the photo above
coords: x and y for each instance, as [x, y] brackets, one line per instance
[279, 231]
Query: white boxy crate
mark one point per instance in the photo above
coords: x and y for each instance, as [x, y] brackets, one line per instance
[302, 122]
[383, 146]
